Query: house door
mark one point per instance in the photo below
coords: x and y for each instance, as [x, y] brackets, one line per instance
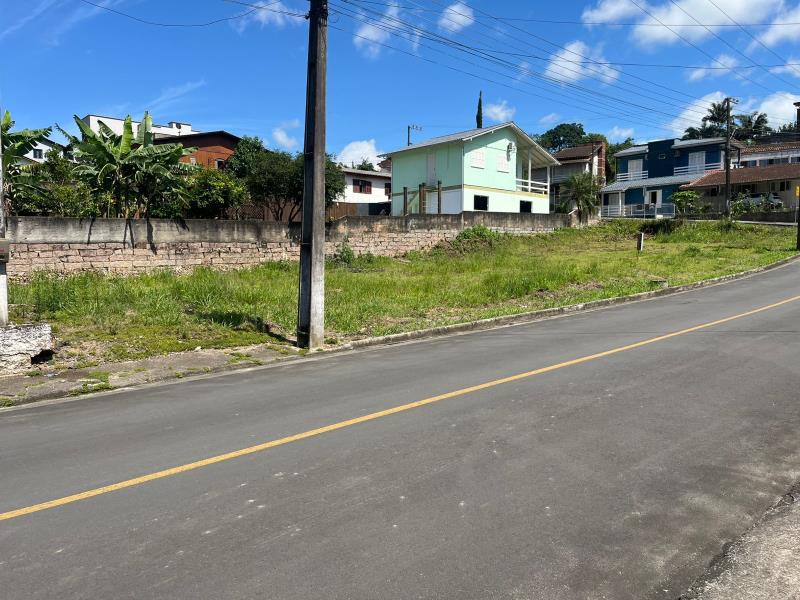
[635, 166]
[432, 178]
[697, 162]
[653, 201]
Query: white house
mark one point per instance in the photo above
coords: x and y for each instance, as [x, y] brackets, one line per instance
[38, 153]
[369, 192]
[173, 128]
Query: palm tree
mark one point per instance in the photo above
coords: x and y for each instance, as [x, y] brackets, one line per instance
[16, 144]
[750, 126]
[713, 124]
[581, 192]
[136, 173]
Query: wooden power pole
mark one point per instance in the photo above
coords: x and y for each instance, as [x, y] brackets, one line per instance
[3, 274]
[311, 303]
[728, 132]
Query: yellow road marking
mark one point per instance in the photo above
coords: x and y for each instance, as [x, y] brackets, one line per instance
[366, 418]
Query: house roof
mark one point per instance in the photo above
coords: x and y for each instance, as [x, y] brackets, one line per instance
[769, 148]
[469, 134]
[161, 138]
[621, 186]
[385, 174]
[632, 150]
[577, 152]
[750, 175]
[703, 142]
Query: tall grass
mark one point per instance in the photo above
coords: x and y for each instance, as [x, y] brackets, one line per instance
[478, 275]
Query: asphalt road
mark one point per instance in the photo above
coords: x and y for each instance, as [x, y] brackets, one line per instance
[619, 476]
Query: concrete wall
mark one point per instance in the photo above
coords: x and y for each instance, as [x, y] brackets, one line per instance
[66, 246]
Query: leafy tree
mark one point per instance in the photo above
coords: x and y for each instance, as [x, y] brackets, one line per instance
[135, 174]
[365, 165]
[213, 193]
[57, 191]
[581, 192]
[247, 153]
[613, 149]
[713, 124]
[276, 181]
[563, 135]
[686, 202]
[16, 144]
[752, 125]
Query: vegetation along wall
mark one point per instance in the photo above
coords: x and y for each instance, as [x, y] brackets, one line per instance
[68, 245]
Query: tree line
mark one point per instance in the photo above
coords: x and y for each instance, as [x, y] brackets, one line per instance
[102, 173]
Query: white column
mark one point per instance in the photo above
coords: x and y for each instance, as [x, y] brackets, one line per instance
[530, 170]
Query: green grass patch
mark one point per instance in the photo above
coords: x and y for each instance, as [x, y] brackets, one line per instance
[479, 274]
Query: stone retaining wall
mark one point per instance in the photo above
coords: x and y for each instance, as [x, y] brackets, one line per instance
[64, 246]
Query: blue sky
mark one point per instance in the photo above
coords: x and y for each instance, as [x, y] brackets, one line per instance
[388, 67]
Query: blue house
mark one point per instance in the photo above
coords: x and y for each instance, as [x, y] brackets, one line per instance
[648, 175]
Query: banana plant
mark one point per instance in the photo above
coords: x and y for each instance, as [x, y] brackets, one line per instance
[133, 170]
[16, 144]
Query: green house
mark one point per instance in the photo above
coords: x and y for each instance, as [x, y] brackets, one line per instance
[493, 169]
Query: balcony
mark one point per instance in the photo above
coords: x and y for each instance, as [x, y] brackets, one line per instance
[639, 211]
[533, 187]
[698, 169]
[632, 176]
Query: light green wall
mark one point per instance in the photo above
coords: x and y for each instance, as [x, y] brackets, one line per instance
[493, 145]
[410, 168]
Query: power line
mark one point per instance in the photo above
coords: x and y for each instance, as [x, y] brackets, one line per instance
[724, 41]
[191, 25]
[599, 23]
[755, 39]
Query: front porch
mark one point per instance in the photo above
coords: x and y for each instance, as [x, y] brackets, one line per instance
[534, 170]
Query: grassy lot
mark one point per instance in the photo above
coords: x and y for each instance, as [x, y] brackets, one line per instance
[480, 275]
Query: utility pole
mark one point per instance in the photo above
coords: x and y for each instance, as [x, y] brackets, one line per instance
[410, 129]
[3, 274]
[311, 302]
[728, 102]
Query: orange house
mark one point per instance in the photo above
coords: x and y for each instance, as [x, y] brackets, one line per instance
[213, 148]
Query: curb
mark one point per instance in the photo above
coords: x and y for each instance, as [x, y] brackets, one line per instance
[539, 315]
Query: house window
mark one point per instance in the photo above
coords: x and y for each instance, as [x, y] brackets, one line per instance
[219, 164]
[192, 160]
[387, 189]
[362, 186]
[662, 156]
[525, 206]
[38, 153]
[480, 203]
[785, 186]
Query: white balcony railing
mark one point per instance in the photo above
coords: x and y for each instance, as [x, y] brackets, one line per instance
[697, 169]
[632, 176]
[641, 211]
[533, 187]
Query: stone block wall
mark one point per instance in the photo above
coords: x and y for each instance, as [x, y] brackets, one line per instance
[119, 246]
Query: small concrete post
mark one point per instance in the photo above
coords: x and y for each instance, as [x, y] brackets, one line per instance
[405, 201]
[640, 242]
[438, 197]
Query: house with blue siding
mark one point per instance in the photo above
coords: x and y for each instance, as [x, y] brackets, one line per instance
[491, 169]
[649, 174]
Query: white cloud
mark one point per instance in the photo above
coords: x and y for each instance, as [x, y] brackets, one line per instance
[37, 10]
[620, 134]
[369, 37]
[609, 11]
[693, 113]
[355, 152]
[780, 33]
[283, 139]
[549, 119]
[790, 68]
[577, 61]
[456, 17]
[170, 96]
[683, 16]
[270, 14]
[499, 112]
[779, 107]
[723, 60]
[77, 16]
